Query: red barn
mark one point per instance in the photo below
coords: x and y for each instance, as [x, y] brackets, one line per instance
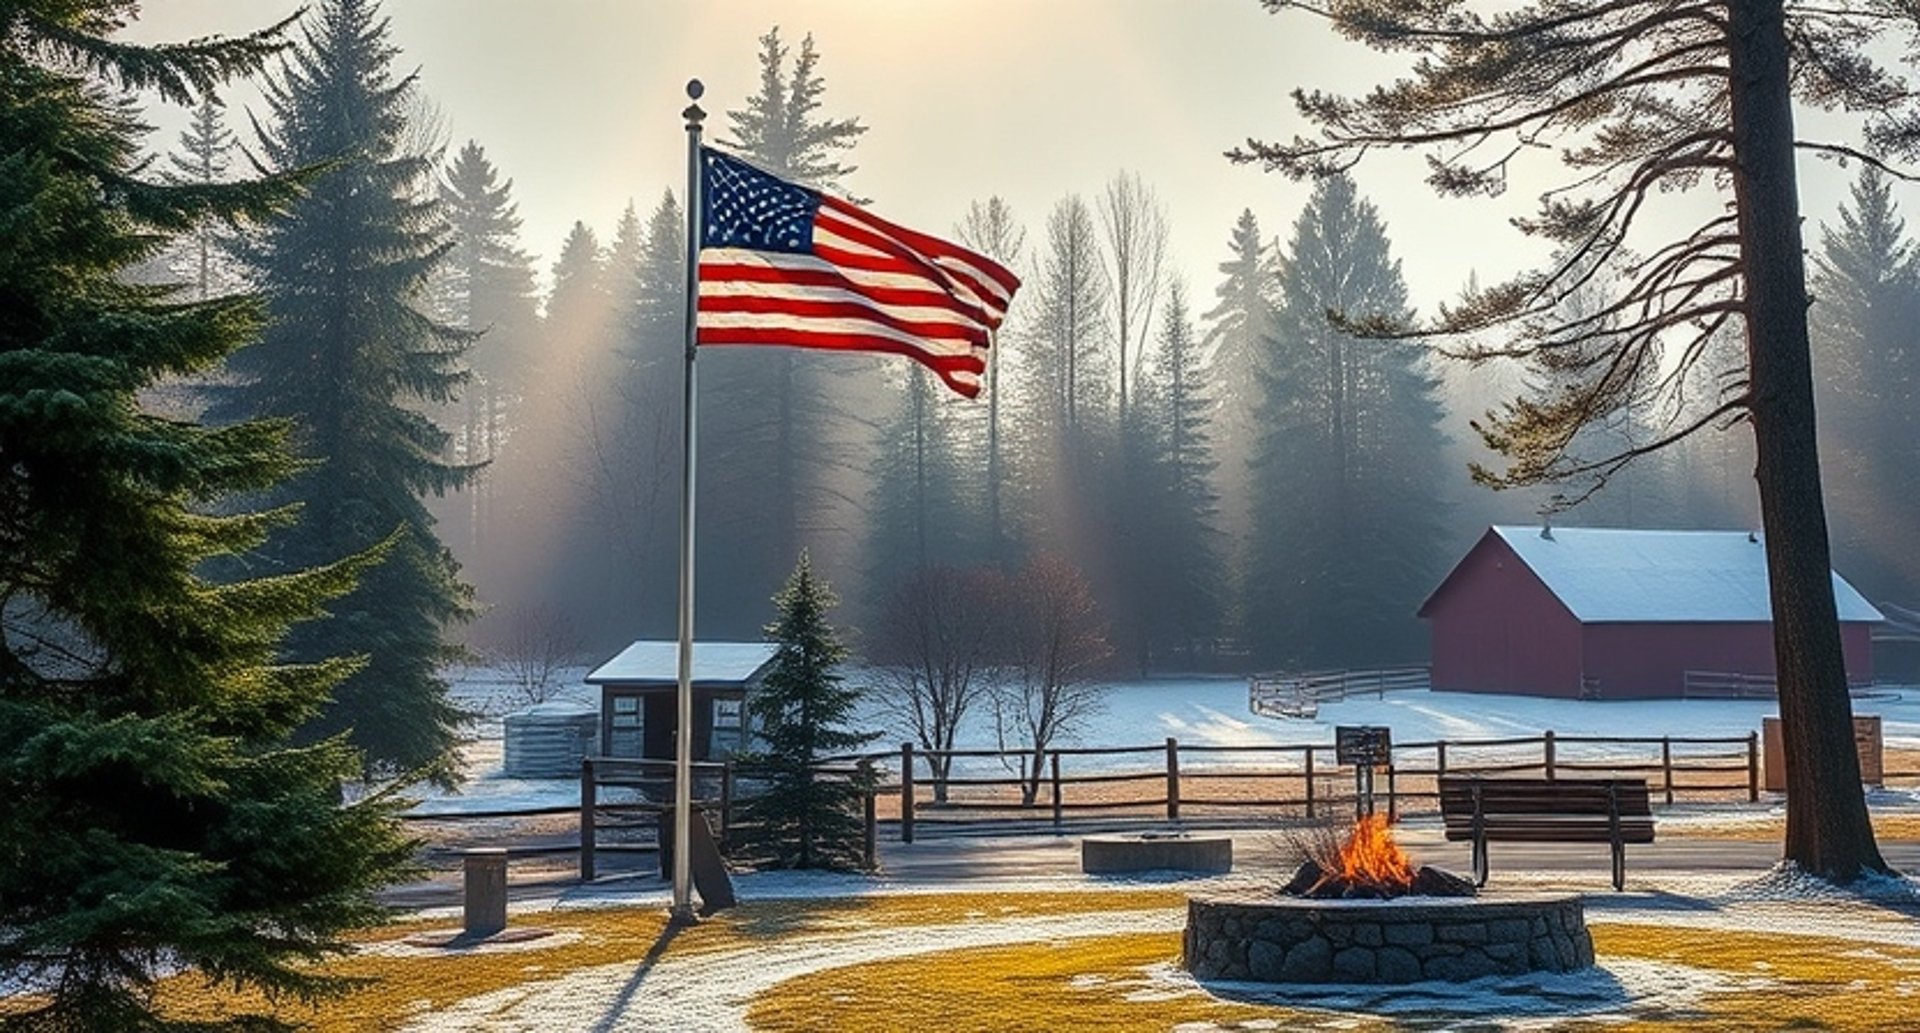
[1604, 613]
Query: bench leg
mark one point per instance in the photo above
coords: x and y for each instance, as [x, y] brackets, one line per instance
[1479, 862]
[1619, 866]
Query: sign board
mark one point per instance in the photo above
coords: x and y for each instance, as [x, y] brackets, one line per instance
[1867, 740]
[1362, 745]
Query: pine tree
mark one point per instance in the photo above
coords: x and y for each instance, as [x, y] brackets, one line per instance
[355, 378]
[1184, 574]
[488, 289]
[801, 819]
[1866, 291]
[783, 431]
[156, 819]
[1345, 532]
[205, 157]
[1637, 98]
[922, 511]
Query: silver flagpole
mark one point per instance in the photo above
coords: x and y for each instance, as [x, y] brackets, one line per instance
[682, 911]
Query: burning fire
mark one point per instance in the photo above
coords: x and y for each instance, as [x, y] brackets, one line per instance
[1371, 858]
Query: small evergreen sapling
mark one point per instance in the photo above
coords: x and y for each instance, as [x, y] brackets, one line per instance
[804, 819]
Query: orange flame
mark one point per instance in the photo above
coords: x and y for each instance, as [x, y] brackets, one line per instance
[1371, 857]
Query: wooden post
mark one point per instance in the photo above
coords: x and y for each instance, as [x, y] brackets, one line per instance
[869, 845]
[1393, 802]
[1666, 765]
[726, 802]
[1753, 767]
[586, 819]
[1173, 779]
[906, 792]
[1547, 752]
[1440, 759]
[1309, 781]
[484, 905]
[1059, 811]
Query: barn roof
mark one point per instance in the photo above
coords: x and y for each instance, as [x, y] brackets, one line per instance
[658, 663]
[1616, 575]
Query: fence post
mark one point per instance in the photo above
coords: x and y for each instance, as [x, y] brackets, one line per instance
[1393, 802]
[1666, 765]
[1173, 779]
[1309, 781]
[1440, 759]
[870, 788]
[1547, 752]
[586, 819]
[726, 802]
[1059, 811]
[906, 792]
[1753, 767]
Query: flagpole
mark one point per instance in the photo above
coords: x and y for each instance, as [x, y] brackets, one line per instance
[682, 910]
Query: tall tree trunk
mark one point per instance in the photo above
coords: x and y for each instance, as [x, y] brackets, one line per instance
[1828, 831]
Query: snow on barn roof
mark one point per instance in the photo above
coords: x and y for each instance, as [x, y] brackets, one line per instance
[655, 662]
[1615, 575]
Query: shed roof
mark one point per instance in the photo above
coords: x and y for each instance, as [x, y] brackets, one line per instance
[1617, 575]
[654, 662]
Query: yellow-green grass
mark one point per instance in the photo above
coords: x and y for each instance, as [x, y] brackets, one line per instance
[1887, 827]
[414, 983]
[1774, 980]
[1103, 983]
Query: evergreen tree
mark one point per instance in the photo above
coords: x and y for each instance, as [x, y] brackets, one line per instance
[1866, 291]
[783, 432]
[488, 289]
[1180, 548]
[802, 820]
[205, 157]
[1239, 327]
[354, 377]
[641, 477]
[1345, 528]
[923, 512]
[1635, 98]
[156, 818]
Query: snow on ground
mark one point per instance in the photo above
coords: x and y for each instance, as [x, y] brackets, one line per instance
[712, 992]
[1203, 711]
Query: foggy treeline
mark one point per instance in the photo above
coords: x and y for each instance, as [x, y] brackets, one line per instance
[1240, 483]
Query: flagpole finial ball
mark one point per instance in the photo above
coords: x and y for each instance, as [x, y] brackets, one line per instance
[695, 89]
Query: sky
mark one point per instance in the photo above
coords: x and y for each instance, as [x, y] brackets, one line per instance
[579, 101]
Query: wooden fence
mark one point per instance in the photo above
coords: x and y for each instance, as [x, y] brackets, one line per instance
[1182, 782]
[1078, 787]
[1300, 695]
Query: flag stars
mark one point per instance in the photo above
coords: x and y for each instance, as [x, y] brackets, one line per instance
[747, 208]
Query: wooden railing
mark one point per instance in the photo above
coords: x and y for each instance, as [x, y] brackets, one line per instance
[1729, 685]
[1301, 694]
[1302, 780]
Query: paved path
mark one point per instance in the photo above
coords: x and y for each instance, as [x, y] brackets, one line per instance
[957, 860]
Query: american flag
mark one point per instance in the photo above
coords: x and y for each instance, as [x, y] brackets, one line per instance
[784, 264]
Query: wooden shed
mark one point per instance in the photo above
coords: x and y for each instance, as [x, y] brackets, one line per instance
[639, 689]
[1608, 613]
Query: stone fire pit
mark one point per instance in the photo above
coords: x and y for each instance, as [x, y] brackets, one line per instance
[1406, 940]
[1155, 851]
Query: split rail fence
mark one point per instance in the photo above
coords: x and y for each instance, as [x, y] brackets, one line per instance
[1003, 792]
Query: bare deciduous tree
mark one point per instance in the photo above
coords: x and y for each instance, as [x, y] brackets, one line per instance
[931, 646]
[1054, 647]
[1135, 227]
[535, 644]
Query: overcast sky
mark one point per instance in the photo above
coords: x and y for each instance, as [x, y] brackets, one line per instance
[578, 101]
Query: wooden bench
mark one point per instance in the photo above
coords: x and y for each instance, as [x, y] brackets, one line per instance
[1616, 811]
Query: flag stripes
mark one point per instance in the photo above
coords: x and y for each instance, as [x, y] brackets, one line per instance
[839, 278]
